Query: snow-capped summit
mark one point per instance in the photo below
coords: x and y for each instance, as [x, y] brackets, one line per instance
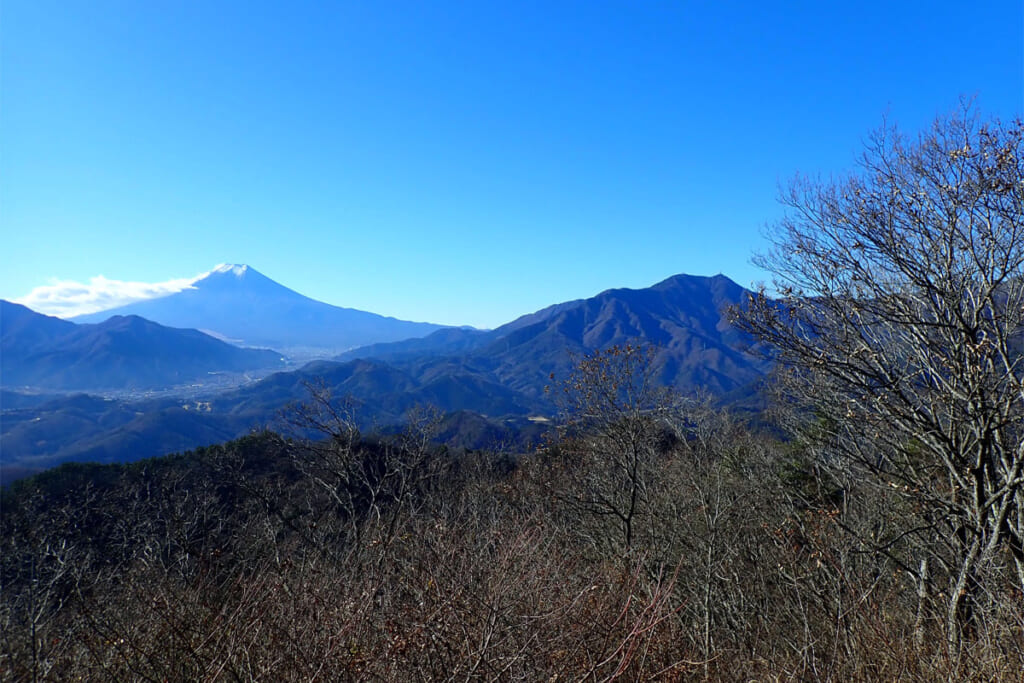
[236, 268]
[237, 303]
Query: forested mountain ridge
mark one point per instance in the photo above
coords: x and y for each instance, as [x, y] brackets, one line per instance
[123, 352]
[683, 316]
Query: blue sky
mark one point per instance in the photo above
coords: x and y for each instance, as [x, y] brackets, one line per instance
[458, 162]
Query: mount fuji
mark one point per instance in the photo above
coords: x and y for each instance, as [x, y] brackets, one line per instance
[238, 304]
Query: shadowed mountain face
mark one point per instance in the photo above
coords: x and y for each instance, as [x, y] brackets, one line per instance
[124, 352]
[685, 316]
[240, 305]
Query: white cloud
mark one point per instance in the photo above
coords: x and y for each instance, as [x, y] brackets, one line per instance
[67, 298]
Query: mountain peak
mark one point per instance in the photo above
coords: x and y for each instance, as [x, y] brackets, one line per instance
[683, 279]
[237, 269]
[237, 302]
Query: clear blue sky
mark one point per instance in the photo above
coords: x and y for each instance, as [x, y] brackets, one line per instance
[458, 162]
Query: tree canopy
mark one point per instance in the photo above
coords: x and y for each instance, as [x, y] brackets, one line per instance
[897, 315]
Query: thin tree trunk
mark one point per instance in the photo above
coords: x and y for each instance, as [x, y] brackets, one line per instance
[922, 602]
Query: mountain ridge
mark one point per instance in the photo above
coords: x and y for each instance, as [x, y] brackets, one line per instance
[123, 352]
[683, 315]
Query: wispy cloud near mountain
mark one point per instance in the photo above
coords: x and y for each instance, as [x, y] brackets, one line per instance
[67, 298]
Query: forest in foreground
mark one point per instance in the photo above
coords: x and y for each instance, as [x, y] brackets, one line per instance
[655, 538]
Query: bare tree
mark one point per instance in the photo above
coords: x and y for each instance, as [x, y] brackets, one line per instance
[368, 481]
[614, 419]
[899, 320]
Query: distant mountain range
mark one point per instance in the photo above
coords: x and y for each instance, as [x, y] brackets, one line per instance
[488, 381]
[238, 304]
[123, 352]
